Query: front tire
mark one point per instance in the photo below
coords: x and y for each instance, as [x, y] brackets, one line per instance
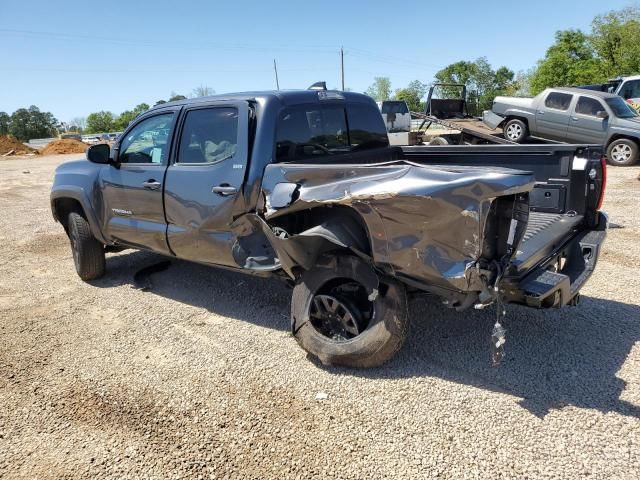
[88, 253]
[336, 319]
[622, 152]
[515, 130]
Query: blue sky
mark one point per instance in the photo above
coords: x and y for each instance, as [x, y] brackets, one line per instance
[72, 58]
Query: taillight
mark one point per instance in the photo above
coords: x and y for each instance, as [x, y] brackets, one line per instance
[603, 166]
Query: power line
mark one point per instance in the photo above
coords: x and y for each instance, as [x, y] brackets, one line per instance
[174, 44]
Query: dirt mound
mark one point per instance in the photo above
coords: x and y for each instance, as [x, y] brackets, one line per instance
[10, 144]
[66, 145]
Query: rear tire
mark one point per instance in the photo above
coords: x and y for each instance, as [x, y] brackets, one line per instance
[374, 330]
[515, 130]
[622, 152]
[88, 253]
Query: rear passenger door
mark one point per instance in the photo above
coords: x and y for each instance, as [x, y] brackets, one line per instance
[585, 126]
[203, 183]
[552, 117]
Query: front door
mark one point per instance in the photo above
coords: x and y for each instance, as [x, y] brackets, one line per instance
[630, 91]
[552, 119]
[133, 212]
[203, 185]
[585, 125]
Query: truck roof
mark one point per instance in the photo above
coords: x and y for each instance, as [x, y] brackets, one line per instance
[286, 97]
[585, 91]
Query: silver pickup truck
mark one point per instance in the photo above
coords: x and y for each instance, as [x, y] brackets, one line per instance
[573, 115]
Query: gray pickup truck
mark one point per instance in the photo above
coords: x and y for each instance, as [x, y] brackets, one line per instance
[303, 186]
[573, 115]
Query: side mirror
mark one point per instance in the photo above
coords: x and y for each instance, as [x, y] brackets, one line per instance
[99, 153]
[602, 114]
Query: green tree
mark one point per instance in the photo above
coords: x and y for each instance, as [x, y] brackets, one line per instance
[412, 94]
[571, 60]
[483, 83]
[5, 120]
[127, 116]
[26, 124]
[615, 37]
[159, 102]
[99, 122]
[176, 96]
[380, 90]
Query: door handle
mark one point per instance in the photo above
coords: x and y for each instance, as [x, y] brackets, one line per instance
[540, 112]
[225, 190]
[151, 184]
[575, 119]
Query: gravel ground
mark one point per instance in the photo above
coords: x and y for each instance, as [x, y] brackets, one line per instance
[200, 377]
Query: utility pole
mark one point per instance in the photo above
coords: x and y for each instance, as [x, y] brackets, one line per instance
[275, 69]
[342, 66]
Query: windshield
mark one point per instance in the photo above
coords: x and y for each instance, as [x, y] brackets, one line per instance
[621, 109]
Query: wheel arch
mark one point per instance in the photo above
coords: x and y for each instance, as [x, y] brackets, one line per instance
[515, 116]
[63, 202]
[341, 225]
[619, 136]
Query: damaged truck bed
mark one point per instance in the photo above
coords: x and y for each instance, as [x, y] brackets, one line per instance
[304, 186]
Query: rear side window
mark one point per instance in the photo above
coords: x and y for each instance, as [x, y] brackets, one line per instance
[366, 127]
[558, 101]
[588, 106]
[311, 131]
[209, 135]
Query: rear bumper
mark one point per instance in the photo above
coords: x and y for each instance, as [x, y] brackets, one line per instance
[544, 286]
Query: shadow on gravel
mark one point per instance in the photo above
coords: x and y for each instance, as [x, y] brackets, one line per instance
[264, 302]
[554, 358]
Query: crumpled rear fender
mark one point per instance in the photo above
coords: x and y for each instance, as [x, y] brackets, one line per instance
[423, 222]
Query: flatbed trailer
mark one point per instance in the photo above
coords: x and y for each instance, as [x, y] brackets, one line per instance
[471, 131]
[460, 127]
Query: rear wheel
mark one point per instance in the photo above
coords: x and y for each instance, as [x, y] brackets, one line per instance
[341, 321]
[515, 130]
[622, 152]
[88, 253]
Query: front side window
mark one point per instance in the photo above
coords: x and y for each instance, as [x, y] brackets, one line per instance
[589, 106]
[558, 101]
[366, 127]
[311, 131]
[621, 108]
[630, 89]
[147, 142]
[209, 135]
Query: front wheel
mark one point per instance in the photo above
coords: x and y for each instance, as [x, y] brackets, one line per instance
[88, 253]
[515, 130]
[339, 320]
[622, 152]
